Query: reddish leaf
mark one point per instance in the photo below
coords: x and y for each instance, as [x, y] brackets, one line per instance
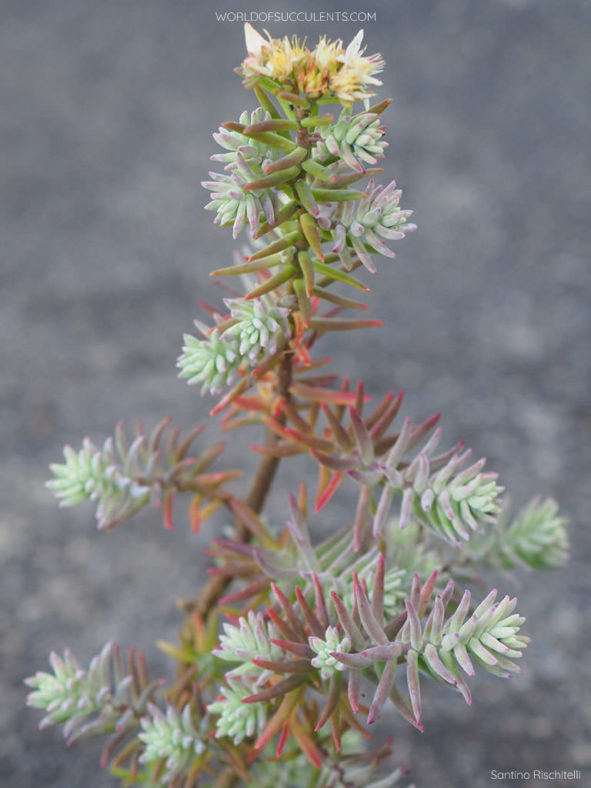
[286, 708]
[329, 491]
[279, 450]
[344, 324]
[300, 649]
[167, 509]
[318, 394]
[282, 741]
[314, 625]
[319, 444]
[332, 700]
[233, 394]
[289, 611]
[340, 433]
[277, 690]
[252, 521]
[306, 743]
[195, 514]
[299, 666]
[253, 588]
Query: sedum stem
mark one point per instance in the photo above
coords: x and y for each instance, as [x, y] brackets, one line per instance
[267, 469]
[260, 488]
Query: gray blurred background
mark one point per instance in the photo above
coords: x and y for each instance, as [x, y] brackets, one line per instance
[107, 112]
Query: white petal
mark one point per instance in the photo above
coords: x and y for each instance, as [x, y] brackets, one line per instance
[353, 50]
[254, 40]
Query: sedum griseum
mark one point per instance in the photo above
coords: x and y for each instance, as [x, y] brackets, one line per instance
[292, 632]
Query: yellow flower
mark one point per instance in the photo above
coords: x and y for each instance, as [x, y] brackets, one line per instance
[327, 54]
[272, 57]
[286, 57]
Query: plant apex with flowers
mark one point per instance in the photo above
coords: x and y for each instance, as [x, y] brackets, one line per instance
[292, 632]
[328, 70]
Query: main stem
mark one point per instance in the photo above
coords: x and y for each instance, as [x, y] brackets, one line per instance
[261, 485]
[265, 473]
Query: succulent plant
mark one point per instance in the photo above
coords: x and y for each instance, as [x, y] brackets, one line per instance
[297, 624]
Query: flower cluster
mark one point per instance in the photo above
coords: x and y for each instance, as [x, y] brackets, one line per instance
[328, 69]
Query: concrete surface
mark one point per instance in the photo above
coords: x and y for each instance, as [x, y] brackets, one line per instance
[107, 111]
